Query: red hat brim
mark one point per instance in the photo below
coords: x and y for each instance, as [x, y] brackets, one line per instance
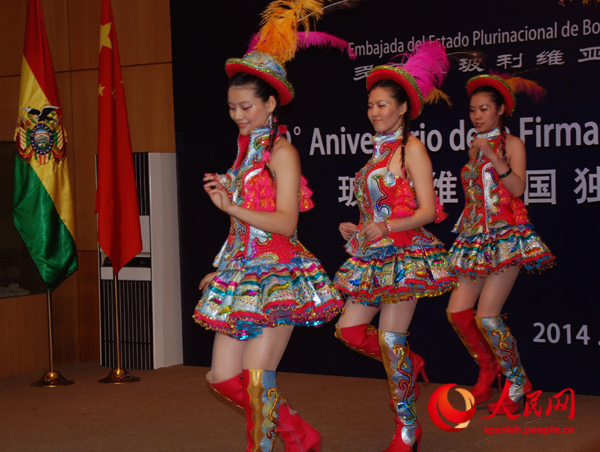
[497, 83]
[405, 80]
[282, 86]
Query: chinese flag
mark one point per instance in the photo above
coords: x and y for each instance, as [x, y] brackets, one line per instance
[119, 232]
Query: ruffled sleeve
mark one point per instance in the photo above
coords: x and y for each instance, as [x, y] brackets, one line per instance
[440, 215]
[306, 203]
[264, 194]
[404, 201]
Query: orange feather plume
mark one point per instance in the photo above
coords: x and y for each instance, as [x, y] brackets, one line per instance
[279, 26]
[529, 87]
[437, 95]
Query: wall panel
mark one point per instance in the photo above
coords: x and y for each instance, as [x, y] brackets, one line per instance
[56, 20]
[84, 33]
[9, 93]
[88, 310]
[143, 29]
[12, 32]
[85, 134]
[23, 335]
[151, 119]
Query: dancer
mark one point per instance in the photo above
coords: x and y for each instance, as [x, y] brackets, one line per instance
[495, 239]
[266, 281]
[394, 259]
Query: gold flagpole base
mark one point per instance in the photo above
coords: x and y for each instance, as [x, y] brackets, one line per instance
[51, 380]
[118, 376]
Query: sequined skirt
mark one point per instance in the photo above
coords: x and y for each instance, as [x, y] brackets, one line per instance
[482, 254]
[240, 303]
[392, 274]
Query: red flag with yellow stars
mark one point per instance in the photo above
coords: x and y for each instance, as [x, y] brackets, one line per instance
[119, 232]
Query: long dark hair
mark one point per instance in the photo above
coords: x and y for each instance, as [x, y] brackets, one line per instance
[263, 91]
[498, 101]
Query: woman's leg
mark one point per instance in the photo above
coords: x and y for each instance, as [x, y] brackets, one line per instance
[227, 357]
[267, 412]
[465, 295]
[504, 346]
[397, 316]
[266, 350]
[495, 291]
[393, 326]
[461, 317]
[225, 375]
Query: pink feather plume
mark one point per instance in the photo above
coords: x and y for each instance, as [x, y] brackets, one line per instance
[313, 39]
[428, 65]
[320, 39]
[253, 41]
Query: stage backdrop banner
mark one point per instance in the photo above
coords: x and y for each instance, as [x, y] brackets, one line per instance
[553, 315]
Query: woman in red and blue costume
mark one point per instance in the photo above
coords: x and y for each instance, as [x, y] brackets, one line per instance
[395, 261]
[266, 281]
[496, 240]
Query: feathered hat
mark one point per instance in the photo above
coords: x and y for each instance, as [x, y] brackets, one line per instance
[278, 40]
[507, 86]
[421, 75]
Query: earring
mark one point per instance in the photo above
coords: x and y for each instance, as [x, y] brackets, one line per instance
[270, 120]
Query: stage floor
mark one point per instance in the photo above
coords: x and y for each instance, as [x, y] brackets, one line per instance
[172, 409]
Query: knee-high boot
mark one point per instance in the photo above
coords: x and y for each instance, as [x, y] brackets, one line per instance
[504, 346]
[267, 413]
[363, 339]
[399, 370]
[360, 338]
[231, 389]
[467, 330]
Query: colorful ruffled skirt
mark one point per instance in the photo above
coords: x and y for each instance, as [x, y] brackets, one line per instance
[240, 303]
[391, 274]
[482, 254]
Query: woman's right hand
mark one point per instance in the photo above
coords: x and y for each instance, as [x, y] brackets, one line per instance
[206, 281]
[347, 229]
[483, 145]
[217, 192]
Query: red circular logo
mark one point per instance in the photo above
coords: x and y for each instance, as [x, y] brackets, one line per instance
[443, 414]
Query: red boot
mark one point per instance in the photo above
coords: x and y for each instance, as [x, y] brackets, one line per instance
[506, 403]
[231, 389]
[489, 371]
[504, 346]
[360, 338]
[363, 339]
[267, 413]
[297, 434]
[398, 444]
[400, 373]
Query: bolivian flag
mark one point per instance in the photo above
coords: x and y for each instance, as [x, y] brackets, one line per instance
[42, 204]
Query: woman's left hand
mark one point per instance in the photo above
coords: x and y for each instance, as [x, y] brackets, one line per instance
[373, 231]
[204, 283]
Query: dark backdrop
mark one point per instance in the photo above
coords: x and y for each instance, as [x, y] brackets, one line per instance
[553, 315]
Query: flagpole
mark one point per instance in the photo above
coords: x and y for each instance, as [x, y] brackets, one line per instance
[51, 378]
[118, 375]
